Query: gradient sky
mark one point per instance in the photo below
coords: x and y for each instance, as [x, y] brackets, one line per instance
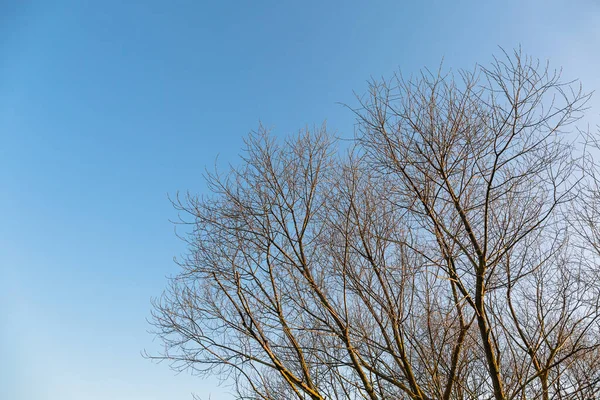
[108, 106]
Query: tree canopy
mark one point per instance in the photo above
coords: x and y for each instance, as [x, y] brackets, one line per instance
[451, 253]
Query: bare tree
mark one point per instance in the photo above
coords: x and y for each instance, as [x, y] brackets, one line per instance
[440, 258]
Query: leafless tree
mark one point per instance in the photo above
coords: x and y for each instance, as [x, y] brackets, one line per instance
[447, 255]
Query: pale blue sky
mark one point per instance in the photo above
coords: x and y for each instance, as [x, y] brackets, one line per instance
[108, 106]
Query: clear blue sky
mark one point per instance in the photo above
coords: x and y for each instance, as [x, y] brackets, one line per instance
[108, 106]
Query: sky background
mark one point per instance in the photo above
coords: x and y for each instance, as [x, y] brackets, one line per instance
[106, 107]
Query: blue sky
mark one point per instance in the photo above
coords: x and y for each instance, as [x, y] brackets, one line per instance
[108, 106]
